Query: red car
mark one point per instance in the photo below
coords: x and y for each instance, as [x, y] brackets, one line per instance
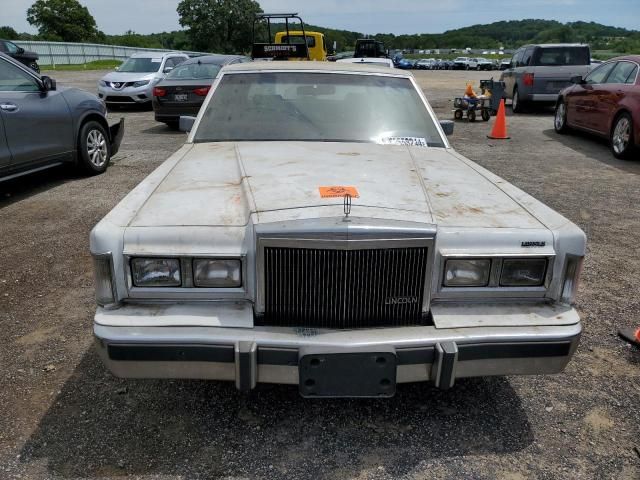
[607, 103]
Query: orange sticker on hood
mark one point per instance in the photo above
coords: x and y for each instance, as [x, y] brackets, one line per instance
[338, 191]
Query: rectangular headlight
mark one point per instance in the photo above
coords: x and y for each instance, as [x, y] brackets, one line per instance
[523, 272]
[103, 277]
[156, 272]
[217, 273]
[469, 272]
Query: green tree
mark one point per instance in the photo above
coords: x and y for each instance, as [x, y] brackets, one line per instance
[8, 33]
[223, 26]
[63, 20]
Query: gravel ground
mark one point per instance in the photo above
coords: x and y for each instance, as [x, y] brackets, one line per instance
[64, 416]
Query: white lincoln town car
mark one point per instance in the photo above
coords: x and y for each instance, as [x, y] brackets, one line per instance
[317, 229]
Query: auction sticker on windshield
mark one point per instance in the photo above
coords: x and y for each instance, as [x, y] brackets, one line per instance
[338, 191]
[410, 141]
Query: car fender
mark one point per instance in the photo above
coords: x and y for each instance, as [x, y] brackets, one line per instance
[92, 114]
[115, 131]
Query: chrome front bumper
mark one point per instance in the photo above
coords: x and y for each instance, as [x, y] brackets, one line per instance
[271, 354]
[126, 95]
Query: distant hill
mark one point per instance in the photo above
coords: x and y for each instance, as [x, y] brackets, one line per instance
[512, 34]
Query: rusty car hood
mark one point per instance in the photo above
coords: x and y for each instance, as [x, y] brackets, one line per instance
[225, 184]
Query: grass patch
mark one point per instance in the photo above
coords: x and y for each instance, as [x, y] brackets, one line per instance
[96, 65]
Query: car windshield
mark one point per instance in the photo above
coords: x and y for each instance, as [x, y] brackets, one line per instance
[195, 71]
[141, 65]
[329, 107]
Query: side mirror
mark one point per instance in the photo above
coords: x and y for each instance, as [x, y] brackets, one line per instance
[48, 84]
[20, 50]
[186, 123]
[167, 69]
[447, 127]
[577, 79]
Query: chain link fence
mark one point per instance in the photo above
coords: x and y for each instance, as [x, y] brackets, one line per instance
[61, 53]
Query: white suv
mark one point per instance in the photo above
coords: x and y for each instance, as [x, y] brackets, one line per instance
[134, 80]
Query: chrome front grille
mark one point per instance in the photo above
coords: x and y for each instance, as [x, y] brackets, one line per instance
[343, 288]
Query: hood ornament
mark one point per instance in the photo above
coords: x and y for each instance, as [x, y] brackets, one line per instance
[347, 206]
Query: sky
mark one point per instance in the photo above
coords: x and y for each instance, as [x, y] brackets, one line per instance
[365, 16]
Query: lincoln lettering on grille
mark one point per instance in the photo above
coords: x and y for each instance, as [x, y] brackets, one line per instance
[325, 288]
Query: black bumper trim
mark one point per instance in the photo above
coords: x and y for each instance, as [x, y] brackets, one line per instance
[413, 356]
[278, 356]
[172, 353]
[483, 351]
[289, 356]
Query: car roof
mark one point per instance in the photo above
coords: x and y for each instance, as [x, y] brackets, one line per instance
[155, 54]
[215, 59]
[333, 67]
[632, 58]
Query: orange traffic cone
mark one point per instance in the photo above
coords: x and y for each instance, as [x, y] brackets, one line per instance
[499, 131]
[631, 335]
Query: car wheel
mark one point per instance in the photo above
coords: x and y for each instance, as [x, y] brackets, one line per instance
[478, 68]
[94, 148]
[622, 143]
[560, 119]
[516, 104]
[35, 67]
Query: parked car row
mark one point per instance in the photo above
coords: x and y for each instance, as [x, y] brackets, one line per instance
[460, 63]
[600, 98]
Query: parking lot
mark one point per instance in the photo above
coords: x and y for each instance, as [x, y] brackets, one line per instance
[64, 416]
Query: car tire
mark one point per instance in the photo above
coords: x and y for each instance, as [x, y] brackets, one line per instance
[94, 149]
[560, 118]
[516, 103]
[621, 139]
[173, 125]
[478, 68]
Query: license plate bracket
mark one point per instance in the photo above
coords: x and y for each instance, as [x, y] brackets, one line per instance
[181, 97]
[335, 375]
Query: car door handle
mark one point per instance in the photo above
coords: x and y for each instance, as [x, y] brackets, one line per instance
[8, 107]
